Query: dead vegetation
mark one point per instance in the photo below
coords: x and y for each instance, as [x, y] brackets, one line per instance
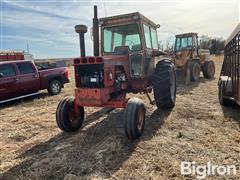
[197, 129]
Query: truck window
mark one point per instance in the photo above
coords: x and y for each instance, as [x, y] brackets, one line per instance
[7, 70]
[25, 68]
[147, 36]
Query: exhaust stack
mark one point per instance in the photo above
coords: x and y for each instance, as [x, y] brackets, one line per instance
[95, 33]
[81, 30]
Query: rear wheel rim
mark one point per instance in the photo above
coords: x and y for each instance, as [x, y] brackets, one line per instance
[73, 117]
[55, 87]
[141, 120]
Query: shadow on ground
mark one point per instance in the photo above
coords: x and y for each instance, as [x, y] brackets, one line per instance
[41, 95]
[187, 89]
[232, 110]
[99, 149]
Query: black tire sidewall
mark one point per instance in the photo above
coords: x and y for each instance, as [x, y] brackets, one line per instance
[139, 132]
[131, 115]
[62, 116]
[193, 67]
[162, 86]
[206, 69]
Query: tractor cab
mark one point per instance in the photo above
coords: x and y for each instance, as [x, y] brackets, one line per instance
[133, 35]
[186, 47]
[187, 41]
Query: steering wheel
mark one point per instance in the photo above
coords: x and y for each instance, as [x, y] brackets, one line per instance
[131, 43]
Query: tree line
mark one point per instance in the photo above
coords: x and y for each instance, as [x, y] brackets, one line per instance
[215, 45]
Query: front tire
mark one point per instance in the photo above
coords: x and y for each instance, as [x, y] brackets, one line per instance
[164, 84]
[208, 69]
[134, 118]
[194, 71]
[55, 87]
[67, 119]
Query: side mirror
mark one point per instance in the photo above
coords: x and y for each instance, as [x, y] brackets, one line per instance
[1, 75]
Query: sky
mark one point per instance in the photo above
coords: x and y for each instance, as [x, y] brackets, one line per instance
[47, 26]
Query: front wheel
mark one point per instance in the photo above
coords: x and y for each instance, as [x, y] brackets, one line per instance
[67, 119]
[55, 87]
[208, 69]
[164, 84]
[194, 71]
[134, 118]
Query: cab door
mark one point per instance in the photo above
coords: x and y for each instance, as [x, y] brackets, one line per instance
[151, 44]
[8, 88]
[28, 79]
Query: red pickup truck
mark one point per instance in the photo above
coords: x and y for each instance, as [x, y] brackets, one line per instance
[20, 79]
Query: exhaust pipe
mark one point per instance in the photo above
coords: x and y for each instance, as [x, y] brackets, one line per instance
[81, 30]
[95, 33]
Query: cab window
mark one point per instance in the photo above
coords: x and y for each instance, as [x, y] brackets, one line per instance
[147, 36]
[7, 70]
[25, 68]
[183, 42]
[154, 38]
[123, 35]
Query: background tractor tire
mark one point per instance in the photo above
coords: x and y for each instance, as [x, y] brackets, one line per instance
[134, 118]
[164, 84]
[221, 91]
[194, 71]
[67, 119]
[54, 87]
[208, 69]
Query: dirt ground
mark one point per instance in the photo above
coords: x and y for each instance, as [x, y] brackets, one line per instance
[196, 129]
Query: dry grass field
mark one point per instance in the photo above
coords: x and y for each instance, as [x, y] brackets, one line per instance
[196, 129]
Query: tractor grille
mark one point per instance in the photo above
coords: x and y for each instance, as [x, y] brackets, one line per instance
[89, 75]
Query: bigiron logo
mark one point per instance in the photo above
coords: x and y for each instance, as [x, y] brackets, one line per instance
[203, 171]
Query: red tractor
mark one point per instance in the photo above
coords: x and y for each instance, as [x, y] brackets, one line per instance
[129, 63]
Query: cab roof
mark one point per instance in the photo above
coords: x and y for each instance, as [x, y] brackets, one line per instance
[123, 18]
[187, 34]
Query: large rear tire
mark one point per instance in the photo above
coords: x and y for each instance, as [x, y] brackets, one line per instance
[194, 71]
[208, 69]
[164, 84]
[134, 118]
[67, 119]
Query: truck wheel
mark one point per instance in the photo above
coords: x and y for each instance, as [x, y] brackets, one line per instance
[164, 84]
[221, 91]
[134, 118]
[67, 119]
[194, 71]
[208, 69]
[55, 87]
